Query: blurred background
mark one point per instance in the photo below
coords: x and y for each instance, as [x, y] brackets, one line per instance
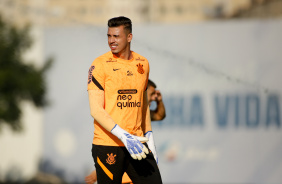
[217, 64]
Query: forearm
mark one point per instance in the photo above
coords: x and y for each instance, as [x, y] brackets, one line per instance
[148, 120]
[146, 123]
[97, 111]
[159, 112]
[148, 129]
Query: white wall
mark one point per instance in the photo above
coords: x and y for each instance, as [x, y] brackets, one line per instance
[220, 83]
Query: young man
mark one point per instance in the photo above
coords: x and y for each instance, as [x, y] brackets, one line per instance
[156, 115]
[155, 95]
[117, 84]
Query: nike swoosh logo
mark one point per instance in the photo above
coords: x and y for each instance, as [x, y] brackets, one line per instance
[115, 69]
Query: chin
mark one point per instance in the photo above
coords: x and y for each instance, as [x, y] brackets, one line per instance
[115, 51]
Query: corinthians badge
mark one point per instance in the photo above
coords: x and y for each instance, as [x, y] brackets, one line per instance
[140, 68]
[111, 159]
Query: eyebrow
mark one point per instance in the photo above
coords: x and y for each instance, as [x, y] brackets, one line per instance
[113, 35]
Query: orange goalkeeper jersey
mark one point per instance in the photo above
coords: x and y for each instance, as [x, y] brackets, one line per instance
[124, 83]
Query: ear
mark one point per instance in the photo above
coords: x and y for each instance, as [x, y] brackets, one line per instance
[129, 37]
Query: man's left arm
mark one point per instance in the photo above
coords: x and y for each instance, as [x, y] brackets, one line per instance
[147, 128]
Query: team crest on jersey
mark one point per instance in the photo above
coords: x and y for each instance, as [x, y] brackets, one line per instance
[140, 68]
[90, 74]
[111, 159]
[111, 60]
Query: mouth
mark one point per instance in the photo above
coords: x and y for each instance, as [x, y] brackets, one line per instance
[113, 47]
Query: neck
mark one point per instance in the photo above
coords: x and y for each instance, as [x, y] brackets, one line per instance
[124, 55]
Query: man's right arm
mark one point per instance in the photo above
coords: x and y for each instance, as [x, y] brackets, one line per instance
[159, 113]
[96, 93]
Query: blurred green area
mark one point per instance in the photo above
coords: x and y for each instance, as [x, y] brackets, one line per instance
[18, 81]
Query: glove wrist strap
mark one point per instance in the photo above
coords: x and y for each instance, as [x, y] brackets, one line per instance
[117, 131]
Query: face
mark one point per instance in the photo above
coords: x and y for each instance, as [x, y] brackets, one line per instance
[151, 94]
[119, 40]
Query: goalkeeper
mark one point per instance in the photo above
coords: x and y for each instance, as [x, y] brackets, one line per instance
[117, 84]
[156, 115]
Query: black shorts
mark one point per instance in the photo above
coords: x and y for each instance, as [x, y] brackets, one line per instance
[111, 162]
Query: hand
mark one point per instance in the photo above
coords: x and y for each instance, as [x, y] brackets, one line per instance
[91, 178]
[132, 143]
[158, 96]
[151, 144]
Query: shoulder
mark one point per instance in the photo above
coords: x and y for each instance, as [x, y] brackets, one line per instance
[142, 63]
[107, 57]
[139, 57]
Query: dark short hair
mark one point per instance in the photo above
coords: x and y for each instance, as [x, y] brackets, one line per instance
[151, 83]
[121, 21]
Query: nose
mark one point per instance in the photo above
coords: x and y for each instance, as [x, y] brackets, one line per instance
[111, 40]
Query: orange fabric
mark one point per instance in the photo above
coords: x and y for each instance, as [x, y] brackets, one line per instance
[105, 169]
[126, 179]
[124, 83]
